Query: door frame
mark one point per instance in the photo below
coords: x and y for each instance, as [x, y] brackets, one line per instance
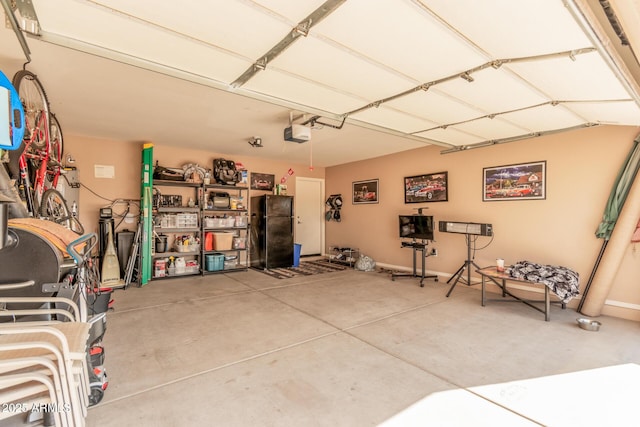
[321, 203]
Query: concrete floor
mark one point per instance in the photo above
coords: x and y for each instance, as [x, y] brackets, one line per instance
[352, 349]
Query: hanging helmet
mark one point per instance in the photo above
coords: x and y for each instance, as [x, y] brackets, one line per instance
[337, 201]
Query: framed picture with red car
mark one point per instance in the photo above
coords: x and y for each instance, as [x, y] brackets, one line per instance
[431, 187]
[524, 181]
[365, 191]
[262, 181]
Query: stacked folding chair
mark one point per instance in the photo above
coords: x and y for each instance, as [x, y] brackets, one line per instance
[43, 363]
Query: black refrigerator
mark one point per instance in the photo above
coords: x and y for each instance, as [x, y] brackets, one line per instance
[271, 231]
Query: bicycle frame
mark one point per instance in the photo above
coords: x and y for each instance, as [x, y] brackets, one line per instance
[36, 169]
[35, 186]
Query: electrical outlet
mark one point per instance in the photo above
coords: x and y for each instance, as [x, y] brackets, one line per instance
[434, 252]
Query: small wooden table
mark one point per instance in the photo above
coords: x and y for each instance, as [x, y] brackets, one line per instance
[500, 278]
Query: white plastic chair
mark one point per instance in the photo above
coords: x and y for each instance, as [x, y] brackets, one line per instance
[23, 397]
[24, 390]
[66, 342]
[73, 315]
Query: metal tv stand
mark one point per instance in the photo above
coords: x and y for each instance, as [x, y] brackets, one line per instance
[417, 246]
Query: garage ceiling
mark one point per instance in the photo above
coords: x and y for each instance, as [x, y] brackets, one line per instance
[399, 74]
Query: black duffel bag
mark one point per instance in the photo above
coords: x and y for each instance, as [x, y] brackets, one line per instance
[225, 172]
[160, 172]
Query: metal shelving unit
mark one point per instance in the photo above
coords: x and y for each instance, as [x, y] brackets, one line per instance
[219, 220]
[202, 213]
[344, 255]
[187, 222]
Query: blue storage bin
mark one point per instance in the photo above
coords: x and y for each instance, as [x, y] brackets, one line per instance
[297, 247]
[214, 262]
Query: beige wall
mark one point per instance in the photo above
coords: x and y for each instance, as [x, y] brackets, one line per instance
[126, 158]
[559, 230]
[581, 167]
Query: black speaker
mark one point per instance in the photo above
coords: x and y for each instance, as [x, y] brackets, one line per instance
[124, 241]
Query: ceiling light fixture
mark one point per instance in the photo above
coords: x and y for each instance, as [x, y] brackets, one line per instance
[255, 142]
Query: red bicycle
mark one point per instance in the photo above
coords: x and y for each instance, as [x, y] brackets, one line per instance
[38, 168]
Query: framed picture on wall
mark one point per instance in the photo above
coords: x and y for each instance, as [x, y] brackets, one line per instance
[262, 181]
[430, 187]
[365, 191]
[524, 181]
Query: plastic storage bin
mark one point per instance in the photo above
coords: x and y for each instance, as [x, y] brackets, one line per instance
[297, 247]
[227, 222]
[169, 221]
[222, 241]
[187, 220]
[208, 241]
[239, 242]
[214, 262]
[179, 271]
[188, 248]
[241, 221]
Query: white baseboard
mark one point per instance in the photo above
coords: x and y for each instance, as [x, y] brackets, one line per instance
[410, 270]
[535, 289]
[622, 304]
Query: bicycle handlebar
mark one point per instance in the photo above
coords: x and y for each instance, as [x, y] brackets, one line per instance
[71, 247]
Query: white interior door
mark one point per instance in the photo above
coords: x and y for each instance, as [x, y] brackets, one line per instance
[309, 215]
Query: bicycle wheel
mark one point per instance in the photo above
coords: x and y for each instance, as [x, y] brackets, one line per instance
[54, 208]
[54, 164]
[57, 147]
[36, 107]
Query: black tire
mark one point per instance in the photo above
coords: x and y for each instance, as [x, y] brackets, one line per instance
[54, 208]
[56, 151]
[57, 145]
[96, 395]
[35, 103]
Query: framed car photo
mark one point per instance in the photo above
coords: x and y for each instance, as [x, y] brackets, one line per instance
[430, 187]
[525, 181]
[365, 191]
[262, 181]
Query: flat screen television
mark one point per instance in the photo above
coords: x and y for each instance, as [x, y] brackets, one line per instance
[416, 226]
